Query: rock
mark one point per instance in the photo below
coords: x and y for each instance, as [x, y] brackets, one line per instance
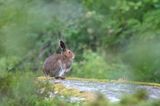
[87, 89]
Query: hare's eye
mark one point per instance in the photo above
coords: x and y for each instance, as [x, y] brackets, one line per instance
[69, 52]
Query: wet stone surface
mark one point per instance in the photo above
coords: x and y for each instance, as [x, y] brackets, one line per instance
[113, 91]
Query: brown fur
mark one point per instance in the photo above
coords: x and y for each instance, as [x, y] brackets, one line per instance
[56, 63]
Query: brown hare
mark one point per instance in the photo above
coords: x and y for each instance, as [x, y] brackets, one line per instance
[58, 64]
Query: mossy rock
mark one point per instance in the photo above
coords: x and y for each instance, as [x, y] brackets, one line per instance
[60, 89]
[69, 91]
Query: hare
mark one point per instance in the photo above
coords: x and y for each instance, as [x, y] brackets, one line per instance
[58, 64]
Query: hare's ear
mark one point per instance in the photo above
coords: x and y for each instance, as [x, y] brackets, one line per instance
[62, 45]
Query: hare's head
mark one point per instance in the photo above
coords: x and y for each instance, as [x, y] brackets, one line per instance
[66, 52]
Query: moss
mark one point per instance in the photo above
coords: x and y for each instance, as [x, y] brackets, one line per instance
[62, 90]
[42, 78]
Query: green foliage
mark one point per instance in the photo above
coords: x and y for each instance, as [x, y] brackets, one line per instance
[137, 99]
[121, 22]
[21, 88]
[95, 65]
[112, 39]
[144, 59]
[99, 101]
[139, 96]
[15, 91]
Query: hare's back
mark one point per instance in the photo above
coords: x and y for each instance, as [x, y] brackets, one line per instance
[51, 63]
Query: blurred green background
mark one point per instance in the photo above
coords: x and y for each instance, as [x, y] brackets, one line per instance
[112, 39]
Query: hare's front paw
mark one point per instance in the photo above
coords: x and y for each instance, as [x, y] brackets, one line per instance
[62, 78]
